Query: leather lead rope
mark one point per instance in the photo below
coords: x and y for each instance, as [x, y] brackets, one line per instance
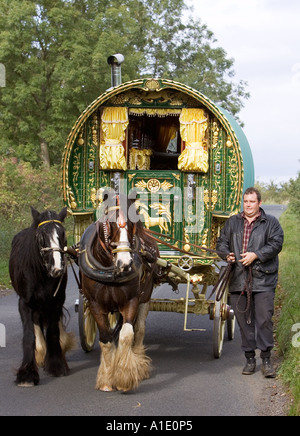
[220, 286]
[248, 290]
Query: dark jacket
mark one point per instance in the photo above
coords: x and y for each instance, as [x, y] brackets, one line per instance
[265, 241]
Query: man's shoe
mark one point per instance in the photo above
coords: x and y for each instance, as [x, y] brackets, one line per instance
[250, 366]
[267, 368]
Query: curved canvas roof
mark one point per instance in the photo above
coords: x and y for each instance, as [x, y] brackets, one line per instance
[229, 124]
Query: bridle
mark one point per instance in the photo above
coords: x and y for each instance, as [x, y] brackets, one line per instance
[49, 221]
[121, 246]
[46, 249]
[101, 230]
[63, 251]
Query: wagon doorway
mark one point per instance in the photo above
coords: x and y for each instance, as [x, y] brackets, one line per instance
[154, 147]
[154, 139]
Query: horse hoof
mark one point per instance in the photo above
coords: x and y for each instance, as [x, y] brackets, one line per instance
[106, 388]
[25, 385]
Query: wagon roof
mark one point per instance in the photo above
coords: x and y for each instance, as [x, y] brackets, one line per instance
[156, 85]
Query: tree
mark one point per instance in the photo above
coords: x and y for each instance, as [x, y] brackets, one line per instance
[294, 191]
[55, 54]
[184, 52]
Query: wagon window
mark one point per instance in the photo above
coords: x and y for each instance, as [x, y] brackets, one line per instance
[154, 139]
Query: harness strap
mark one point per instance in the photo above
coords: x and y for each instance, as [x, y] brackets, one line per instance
[49, 221]
[173, 247]
[210, 250]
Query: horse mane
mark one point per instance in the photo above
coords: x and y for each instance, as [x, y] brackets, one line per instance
[145, 237]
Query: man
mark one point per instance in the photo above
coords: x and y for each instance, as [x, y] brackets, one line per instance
[252, 240]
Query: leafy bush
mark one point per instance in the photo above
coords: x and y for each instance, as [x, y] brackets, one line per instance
[22, 186]
[294, 192]
[273, 193]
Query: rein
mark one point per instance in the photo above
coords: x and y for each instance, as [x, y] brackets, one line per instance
[220, 286]
[152, 232]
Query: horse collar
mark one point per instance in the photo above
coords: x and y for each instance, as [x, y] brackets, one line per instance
[106, 231]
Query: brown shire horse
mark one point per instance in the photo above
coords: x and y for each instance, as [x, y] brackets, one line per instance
[117, 267]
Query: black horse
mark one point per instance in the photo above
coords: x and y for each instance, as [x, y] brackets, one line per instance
[117, 263]
[38, 273]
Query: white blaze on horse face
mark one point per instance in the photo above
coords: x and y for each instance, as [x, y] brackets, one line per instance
[123, 259]
[54, 244]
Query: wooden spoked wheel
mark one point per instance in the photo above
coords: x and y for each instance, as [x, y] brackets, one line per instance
[230, 325]
[219, 329]
[222, 315]
[87, 326]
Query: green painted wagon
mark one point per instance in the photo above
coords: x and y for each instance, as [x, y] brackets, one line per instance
[189, 161]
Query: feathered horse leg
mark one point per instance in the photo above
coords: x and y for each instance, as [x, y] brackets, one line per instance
[104, 381]
[131, 363]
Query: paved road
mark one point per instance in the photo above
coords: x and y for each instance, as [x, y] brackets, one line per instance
[186, 379]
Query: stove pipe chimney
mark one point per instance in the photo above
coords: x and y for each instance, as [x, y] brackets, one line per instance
[115, 62]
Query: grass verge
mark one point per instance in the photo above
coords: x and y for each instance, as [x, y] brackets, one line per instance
[288, 324]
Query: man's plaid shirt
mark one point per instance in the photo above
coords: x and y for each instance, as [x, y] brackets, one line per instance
[247, 230]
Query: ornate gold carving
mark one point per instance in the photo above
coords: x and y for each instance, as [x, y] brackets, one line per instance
[153, 185]
[138, 97]
[214, 198]
[162, 219]
[204, 239]
[186, 238]
[95, 130]
[139, 159]
[186, 235]
[80, 140]
[76, 171]
[210, 199]
[94, 197]
[141, 184]
[229, 143]
[165, 186]
[71, 198]
[131, 176]
[215, 130]
[119, 99]
[152, 85]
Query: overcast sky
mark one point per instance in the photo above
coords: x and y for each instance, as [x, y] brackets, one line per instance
[263, 36]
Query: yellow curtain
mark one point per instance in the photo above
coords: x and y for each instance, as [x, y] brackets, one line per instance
[193, 125]
[165, 134]
[114, 122]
